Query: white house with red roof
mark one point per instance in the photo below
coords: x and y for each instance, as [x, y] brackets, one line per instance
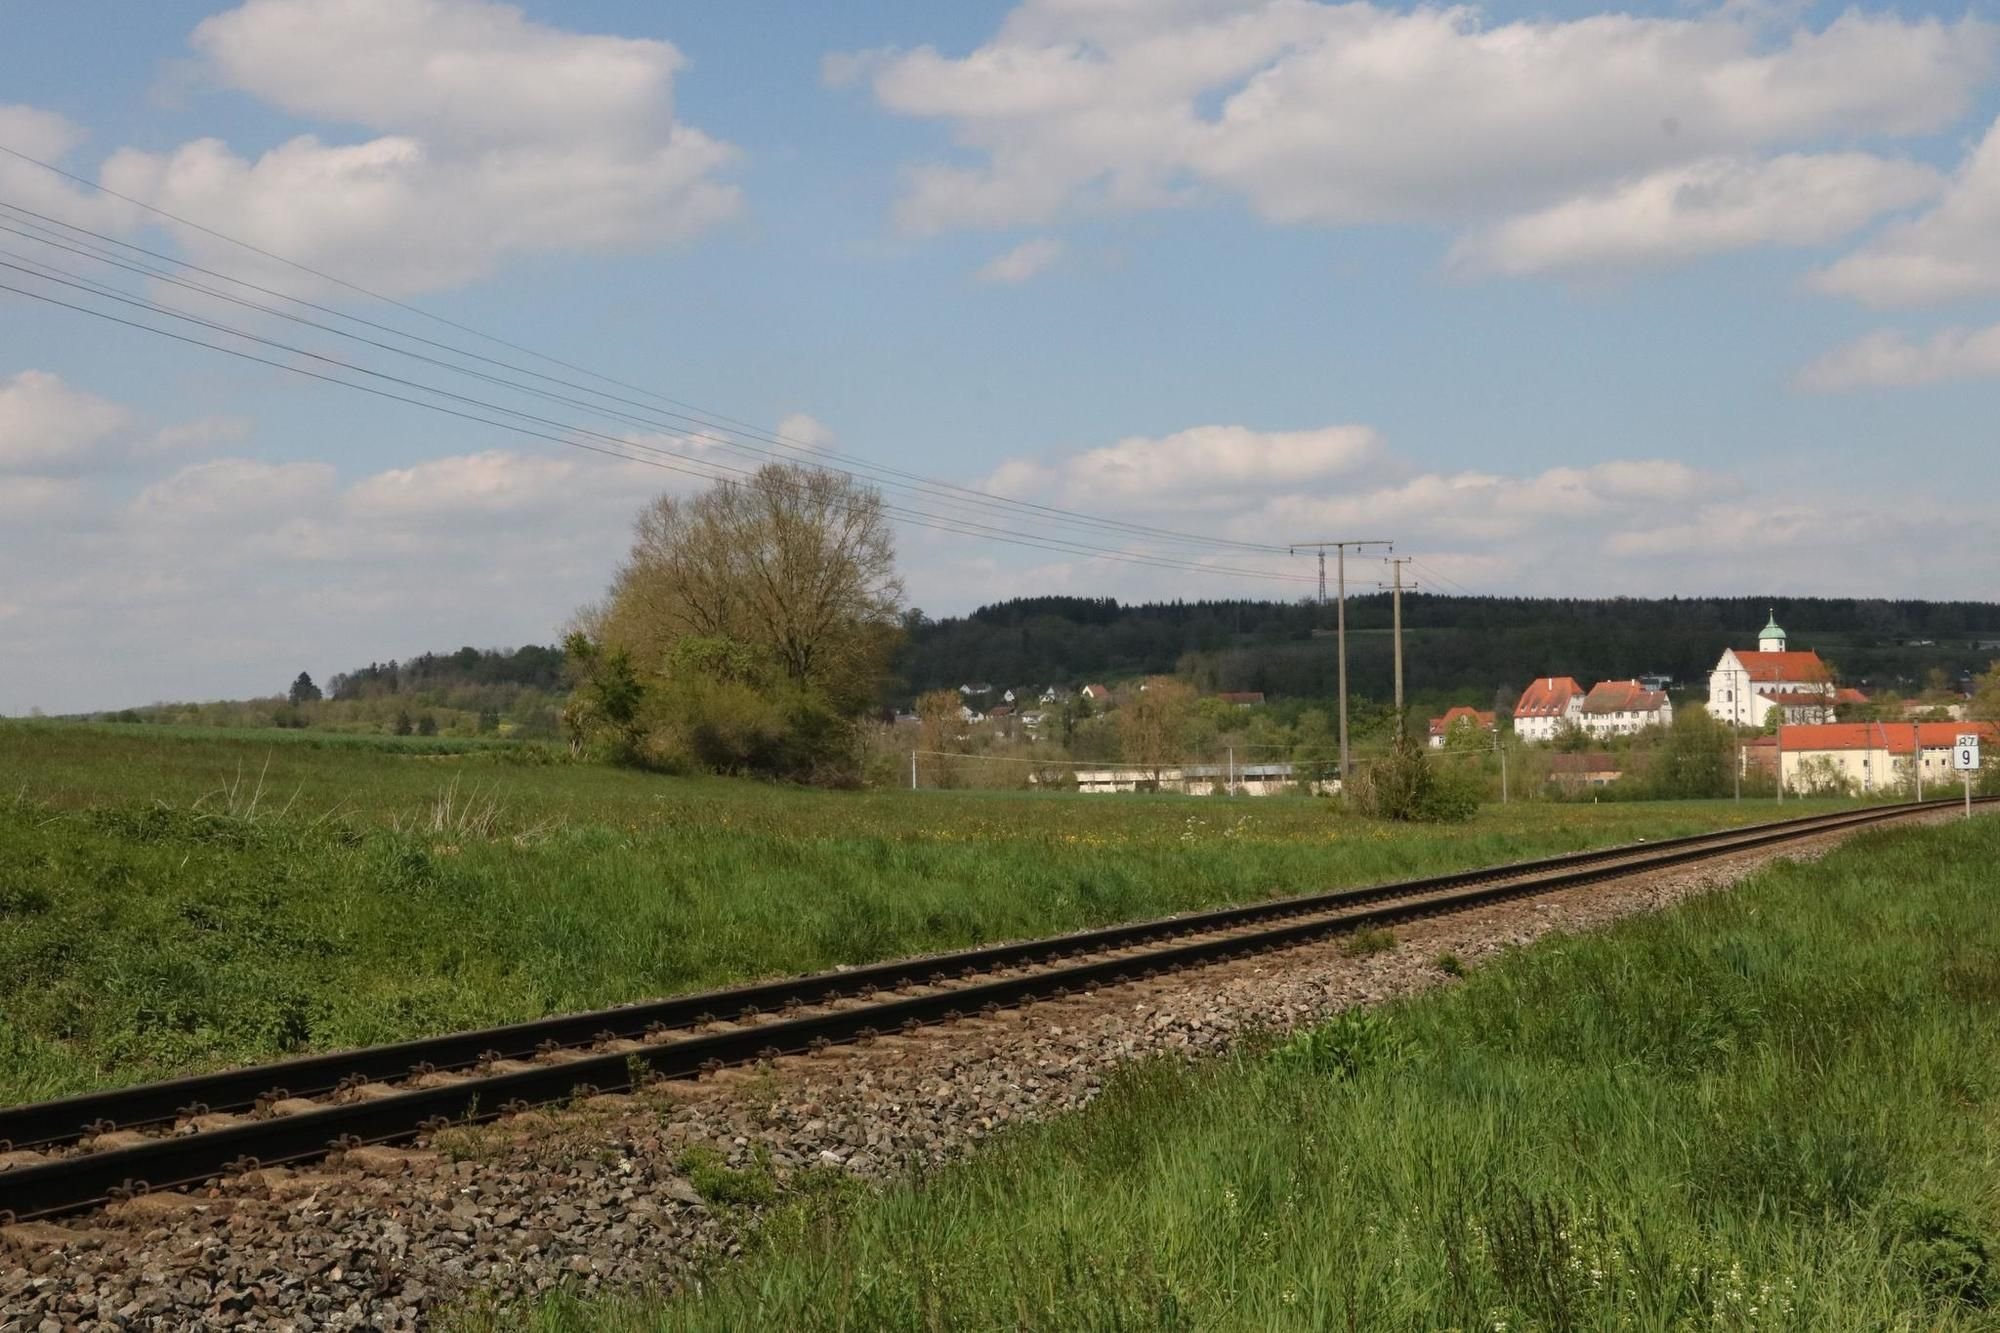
[1874, 756]
[1457, 713]
[1746, 686]
[1546, 706]
[1622, 707]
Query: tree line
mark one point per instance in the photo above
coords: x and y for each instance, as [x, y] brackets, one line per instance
[1457, 648]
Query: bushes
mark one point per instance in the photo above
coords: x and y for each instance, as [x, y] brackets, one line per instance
[1409, 787]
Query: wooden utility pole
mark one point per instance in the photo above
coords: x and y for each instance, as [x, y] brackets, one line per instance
[1340, 564]
[1396, 564]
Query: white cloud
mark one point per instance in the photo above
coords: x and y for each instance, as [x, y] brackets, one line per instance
[497, 136]
[51, 138]
[39, 500]
[234, 573]
[1336, 114]
[233, 490]
[1623, 526]
[495, 482]
[1450, 507]
[1886, 359]
[1717, 204]
[54, 437]
[1024, 261]
[798, 428]
[46, 426]
[1204, 465]
[201, 433]
[1953, 251]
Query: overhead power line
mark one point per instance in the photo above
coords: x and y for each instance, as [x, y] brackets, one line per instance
[940, 491]
[611, 445]
[689, 412]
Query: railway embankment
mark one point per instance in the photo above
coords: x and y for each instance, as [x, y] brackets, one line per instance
[640, 1187]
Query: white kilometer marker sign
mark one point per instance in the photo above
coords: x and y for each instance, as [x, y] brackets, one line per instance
[1965, 758]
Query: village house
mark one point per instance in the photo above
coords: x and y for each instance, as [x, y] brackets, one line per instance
[1546, 707]
[1097, 694]
[1873, 756]
[1441, 726]
[1745, 687]
[1242, 698]
[1592, 768]
[1622, 707]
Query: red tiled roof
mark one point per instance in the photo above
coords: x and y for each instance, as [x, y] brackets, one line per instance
[1622, 696]
[1794, 668]
[1802, 697]
[1847, 694]
[1548, 696]
[1241, 696]
[1895, 737]
[1440, 725]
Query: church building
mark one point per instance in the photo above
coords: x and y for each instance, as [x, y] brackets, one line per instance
[1746, 686]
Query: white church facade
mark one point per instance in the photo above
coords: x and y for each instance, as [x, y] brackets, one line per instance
[1746, 686]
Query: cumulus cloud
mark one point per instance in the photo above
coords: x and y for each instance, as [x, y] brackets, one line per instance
[53, 429]
[1621, 526]
[228, 574]
[495, 136]
[1887, 359]
[51, 138]
[1950, 252]
[1204, 466]
[1024, 261]
[801, 429]
[1333, 114]
[201, 433]
[1705, 207]
[233, 490]
[46, 426]
[496, 481]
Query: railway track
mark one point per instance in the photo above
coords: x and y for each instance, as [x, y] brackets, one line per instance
[72, 1154]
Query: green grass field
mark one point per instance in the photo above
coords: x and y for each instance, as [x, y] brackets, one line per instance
[177, 902]
[1777, 1108]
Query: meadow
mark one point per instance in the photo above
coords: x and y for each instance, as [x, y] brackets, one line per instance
[1775, 1108]
[176, 900]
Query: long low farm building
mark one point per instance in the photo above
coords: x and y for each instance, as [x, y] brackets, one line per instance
[1268, 779]
[1874, 756]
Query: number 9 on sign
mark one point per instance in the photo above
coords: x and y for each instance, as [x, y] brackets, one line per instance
[1965, 754]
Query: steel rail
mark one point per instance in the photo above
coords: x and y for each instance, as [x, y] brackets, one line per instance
[39, 1124]
[83, 1180]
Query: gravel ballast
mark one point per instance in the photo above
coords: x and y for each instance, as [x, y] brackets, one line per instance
[596, 1195]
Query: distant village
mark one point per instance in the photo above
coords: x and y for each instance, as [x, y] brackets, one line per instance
[1783, 703]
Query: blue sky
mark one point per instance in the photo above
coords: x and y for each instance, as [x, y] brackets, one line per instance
[1568, 300]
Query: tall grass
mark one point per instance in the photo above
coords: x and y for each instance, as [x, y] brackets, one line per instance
[179, 904]
[1772, 1109]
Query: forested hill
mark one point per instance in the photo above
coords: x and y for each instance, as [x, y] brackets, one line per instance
[533, 667]
[1466, 647]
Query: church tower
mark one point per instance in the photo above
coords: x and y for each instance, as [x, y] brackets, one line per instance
[1771, 639]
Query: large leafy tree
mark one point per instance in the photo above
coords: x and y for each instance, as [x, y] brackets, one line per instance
[1153, 724]
[795, 564]
[758, 619]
